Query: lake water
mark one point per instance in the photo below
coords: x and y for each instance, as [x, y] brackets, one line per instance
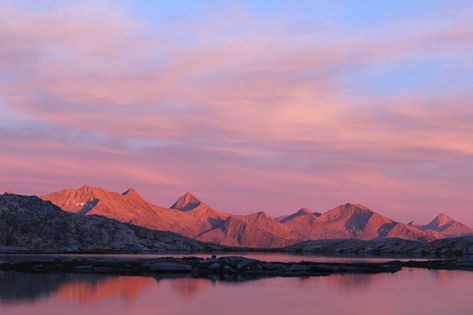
[410, 291]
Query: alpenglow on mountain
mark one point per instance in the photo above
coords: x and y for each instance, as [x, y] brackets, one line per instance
[30, 224]
[193, 218]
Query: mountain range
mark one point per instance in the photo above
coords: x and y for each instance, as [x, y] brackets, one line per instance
[30, 224]
[193, 218]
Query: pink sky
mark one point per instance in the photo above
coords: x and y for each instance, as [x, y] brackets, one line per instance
[248, 112]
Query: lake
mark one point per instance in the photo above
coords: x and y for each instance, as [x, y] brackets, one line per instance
[410, 291]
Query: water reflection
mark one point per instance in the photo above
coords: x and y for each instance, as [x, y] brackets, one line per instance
[28, 287]
[125, 288]
[411, 291]
[82, 288]
[188, 287]
[346, 283]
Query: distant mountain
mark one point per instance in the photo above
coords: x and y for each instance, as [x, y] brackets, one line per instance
[94, 200]
[299, 213]
[253, 230]
[28, 223]
[194, 218]
[187, 202]
[444, 226]
[350, 221]
[129, 207]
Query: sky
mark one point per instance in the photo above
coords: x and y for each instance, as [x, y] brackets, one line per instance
[250, 105]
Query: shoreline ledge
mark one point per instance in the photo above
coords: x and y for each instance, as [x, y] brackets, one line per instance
[224, 268]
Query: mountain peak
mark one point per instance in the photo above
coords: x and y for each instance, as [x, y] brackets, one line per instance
[441, 220]
[349, 208]
[298, 213]
[304, 211]
[186, 202]
[131, 192]
[447, 226]
[87, 188]
[260, 214]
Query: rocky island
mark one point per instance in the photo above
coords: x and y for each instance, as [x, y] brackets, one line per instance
[228, 268]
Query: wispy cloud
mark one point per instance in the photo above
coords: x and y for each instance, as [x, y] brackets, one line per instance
[248, 112]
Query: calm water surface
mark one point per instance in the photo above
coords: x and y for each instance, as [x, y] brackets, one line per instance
[410, 291]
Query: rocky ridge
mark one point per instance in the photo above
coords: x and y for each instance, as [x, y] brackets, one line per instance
[30, 224]
[447, 247]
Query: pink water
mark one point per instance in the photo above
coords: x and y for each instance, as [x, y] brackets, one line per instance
[411, 291]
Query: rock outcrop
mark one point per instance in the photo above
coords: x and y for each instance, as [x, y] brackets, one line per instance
[28, 223]
[229, 268]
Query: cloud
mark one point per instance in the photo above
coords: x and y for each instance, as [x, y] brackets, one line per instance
[238, 112]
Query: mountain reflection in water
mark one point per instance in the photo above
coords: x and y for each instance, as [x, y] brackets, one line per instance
[411, 291]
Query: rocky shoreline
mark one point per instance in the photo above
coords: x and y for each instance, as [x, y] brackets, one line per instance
[392, 247]
[230, 268]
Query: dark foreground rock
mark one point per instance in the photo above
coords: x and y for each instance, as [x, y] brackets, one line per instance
[228, 267]
[225, 268]
[29, 224]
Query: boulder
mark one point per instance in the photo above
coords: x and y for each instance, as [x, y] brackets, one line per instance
[228, 269]
[214, 267]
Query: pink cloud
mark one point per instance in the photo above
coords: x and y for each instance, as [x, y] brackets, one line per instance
[260, 119]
